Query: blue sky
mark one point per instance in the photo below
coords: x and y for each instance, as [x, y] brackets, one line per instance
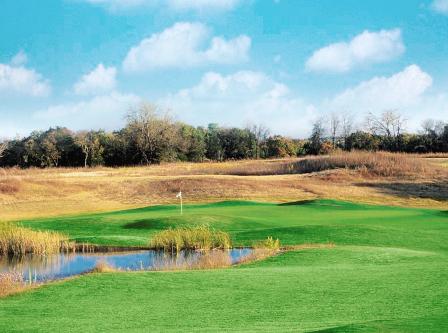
[283, 63]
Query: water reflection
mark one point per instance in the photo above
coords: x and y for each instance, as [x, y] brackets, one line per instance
[44, 268]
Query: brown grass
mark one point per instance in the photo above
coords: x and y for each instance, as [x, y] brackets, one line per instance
[32, 193]
[10, 283]
[104, 267]
[379, 164]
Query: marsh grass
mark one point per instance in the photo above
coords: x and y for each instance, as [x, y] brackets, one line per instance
[11, 282]
[104, 267]
[190, 238]
[17, 241]
[269, 243]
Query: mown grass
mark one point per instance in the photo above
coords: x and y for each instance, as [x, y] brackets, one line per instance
[344, 289]
[17, 241]
[315, 221]
[386, 273]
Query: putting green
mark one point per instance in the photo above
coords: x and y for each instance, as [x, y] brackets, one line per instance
[387, 273]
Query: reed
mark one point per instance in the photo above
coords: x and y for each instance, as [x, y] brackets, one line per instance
[17, 241]
[190, 238]
[269, 243]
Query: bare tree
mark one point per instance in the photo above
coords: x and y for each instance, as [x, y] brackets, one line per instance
[390, 124]
[3, 147]
[154, 133]
[432, 127]
[347, 126]
[335, 123]
[260, 133]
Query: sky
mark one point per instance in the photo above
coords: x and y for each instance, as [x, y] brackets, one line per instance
[85, 64]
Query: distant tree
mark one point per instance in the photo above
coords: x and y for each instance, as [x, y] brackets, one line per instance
[3, 147]
[346, 127]
[260, 134]
[317, 137]
[153, 132]
[92, 147]
[362, 141]
[214, 150]
[50, 153]
[335, 123]
[279, 146]
[390, 125]
[192, 145]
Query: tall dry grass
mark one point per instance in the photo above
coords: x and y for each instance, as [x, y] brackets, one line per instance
[17, 241]
[11, 282]
[380, 164]
[190, 238]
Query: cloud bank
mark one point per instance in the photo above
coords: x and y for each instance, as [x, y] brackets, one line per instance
[365, 48]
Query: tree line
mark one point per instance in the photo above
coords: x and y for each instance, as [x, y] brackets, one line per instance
[151, 137]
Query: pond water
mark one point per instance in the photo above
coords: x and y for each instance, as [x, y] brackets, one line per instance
[45, 268]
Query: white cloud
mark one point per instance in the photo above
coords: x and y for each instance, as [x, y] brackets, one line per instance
[365, 48]
[440, 6]
[182, 46]
[18, 80]
[104, 111]
[100, 80]
[399, 91]
[241, 98]
[179, 5]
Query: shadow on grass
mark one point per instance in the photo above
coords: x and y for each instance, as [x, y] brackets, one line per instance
[298, 203]
[428, 190]
[152, 224]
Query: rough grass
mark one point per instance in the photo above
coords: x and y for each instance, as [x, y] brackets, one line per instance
[17, 241]
[190, 238]
[380, 164]
[31, 193]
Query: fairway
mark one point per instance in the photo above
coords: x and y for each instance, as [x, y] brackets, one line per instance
[387, 272]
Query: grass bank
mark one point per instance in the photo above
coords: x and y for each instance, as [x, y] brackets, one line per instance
[315, 221]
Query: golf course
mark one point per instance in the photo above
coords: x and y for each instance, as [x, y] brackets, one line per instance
[377, 268]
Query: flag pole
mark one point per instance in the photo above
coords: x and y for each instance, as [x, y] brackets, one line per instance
[181, 205]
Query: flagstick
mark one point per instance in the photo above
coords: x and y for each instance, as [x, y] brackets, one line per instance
[181, 208]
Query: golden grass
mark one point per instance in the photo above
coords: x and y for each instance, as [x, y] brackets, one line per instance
[190, 238]
[32, 193]
[268, 243]
[16, 241]
[103, 267]
[10, 283]
[381, 164]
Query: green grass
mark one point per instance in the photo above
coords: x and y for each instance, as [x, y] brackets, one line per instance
[387, 273]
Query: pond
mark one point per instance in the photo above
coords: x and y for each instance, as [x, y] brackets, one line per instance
[54, 267]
